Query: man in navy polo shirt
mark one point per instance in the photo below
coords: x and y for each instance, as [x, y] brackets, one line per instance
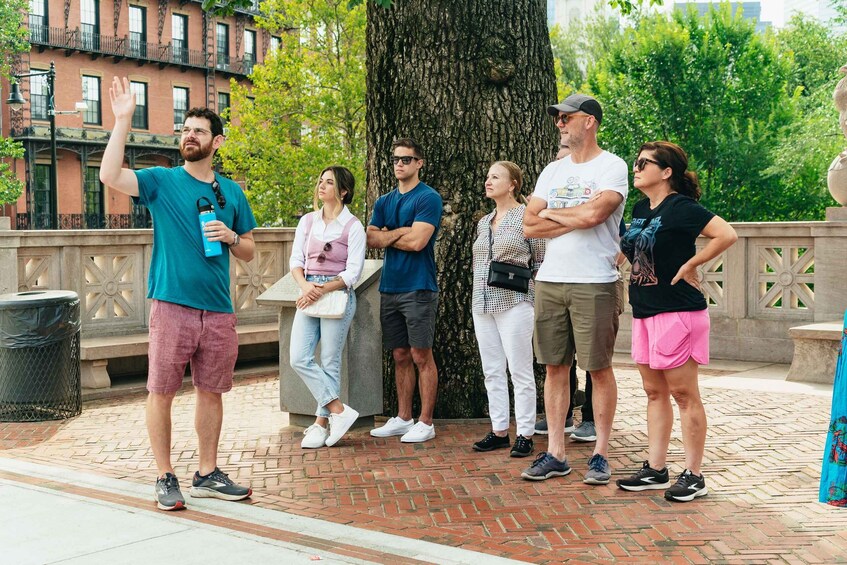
[405, 223]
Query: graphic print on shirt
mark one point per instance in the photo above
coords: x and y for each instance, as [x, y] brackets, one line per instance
[574, 193]
[641, 240]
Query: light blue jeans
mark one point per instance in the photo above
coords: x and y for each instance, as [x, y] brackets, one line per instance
[324, 380]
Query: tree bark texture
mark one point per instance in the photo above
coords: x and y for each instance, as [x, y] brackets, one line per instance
[470, 80]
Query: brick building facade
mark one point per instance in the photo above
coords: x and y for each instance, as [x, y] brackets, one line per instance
[176, 57]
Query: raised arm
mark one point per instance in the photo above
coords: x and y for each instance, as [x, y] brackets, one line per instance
[112, 172]
[537, 227]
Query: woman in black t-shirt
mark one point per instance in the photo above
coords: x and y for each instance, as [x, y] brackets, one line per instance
[670, 326]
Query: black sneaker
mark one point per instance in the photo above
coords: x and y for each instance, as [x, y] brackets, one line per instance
[646, 478]
[217, 485]
[522, 447]
[688, 487]
[168, 495]
[492, 441]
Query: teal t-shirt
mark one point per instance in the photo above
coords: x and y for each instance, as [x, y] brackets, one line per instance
[407, 271]
[180, 272]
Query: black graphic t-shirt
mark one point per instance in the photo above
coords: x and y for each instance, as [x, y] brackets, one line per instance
[657, 251]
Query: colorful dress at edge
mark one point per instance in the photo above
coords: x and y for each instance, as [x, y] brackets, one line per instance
[834, 473]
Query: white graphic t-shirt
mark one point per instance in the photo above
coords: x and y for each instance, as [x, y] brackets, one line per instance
[583, 255]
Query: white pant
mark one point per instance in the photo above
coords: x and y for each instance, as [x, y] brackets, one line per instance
[505, 339]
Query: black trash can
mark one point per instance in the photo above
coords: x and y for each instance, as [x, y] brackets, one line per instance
[39, 356]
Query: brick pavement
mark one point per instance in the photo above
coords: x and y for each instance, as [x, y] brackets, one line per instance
[763, 459]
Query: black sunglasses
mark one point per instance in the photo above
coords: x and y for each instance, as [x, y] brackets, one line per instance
[327, 249]
[216, 188]
[642, 162]
[406, 160]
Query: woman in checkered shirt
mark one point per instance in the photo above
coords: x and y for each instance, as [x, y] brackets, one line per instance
[503, 319]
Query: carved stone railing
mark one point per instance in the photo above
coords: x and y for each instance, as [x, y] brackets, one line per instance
[777, 276]
[108, 269]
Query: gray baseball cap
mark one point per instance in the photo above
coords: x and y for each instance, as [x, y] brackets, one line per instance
[578, 103]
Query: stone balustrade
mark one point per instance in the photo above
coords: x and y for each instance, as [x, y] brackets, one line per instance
[777, 276]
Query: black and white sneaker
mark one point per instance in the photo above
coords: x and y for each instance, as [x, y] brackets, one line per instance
[646, 478]
[492, 441]
[688, 487]
[217, 485]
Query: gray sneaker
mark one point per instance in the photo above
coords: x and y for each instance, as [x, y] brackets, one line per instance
[546, 466]
[541, 426]
[584, 432]
[599, 471]
[217, 484]
[168, 495]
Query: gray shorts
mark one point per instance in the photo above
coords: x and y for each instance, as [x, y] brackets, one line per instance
[408, 319]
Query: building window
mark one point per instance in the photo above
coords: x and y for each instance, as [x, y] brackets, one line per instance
[38, 20]
[138, 31]
[180, 106]
[139, 117]
[91, 96]
[249, 50]
[276, 42]
[179, 23]
[223, 102]
[93, 190]
[222, 43]
[40, 210]
[90, 24]
[38, 97]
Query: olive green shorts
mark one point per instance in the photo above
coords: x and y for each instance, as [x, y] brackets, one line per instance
[576, 319]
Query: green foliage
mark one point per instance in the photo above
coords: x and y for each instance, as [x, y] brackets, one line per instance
[712, 85]
[10, 187]
[305, 111]
[800, 161]
[627, 7]
[14, 37]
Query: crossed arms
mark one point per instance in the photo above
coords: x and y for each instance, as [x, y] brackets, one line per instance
[542, 222]
[412, 238]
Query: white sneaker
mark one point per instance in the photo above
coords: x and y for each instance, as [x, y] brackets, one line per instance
[315, 437]
[340, 423]
[419, 432]
[393, 427]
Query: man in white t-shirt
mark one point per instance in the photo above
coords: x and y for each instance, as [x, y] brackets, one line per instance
[577, 205]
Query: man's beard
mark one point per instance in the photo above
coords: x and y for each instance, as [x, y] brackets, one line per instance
[195, 152]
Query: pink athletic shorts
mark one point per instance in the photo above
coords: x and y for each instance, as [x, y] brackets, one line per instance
[667, 340]
[179, 335]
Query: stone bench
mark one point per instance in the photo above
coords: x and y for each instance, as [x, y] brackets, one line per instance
[95, 352]
[816, 348]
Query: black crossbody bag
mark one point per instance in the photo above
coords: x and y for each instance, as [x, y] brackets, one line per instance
[507, 275]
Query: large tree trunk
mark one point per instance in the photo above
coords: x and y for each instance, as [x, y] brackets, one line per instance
[470, 80]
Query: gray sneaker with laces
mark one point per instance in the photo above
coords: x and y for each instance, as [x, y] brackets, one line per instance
[585, 432]
[217, 484]
[168, 495]
[599, 471]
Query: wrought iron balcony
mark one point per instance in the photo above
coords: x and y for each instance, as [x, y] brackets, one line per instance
[123, 48]
[35, 221]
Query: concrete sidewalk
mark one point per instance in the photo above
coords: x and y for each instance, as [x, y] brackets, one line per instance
[68, 517]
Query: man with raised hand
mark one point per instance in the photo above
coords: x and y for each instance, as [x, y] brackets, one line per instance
[577, 204]
[191, 316]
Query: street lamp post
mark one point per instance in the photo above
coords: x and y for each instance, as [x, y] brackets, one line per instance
[16, 102]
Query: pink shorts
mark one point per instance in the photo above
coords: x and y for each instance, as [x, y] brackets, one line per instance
[667, 340]
[179, 335]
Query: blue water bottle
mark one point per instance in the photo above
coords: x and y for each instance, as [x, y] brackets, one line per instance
[207, 214]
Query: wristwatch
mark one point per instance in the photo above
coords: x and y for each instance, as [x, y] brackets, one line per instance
[235, 241]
